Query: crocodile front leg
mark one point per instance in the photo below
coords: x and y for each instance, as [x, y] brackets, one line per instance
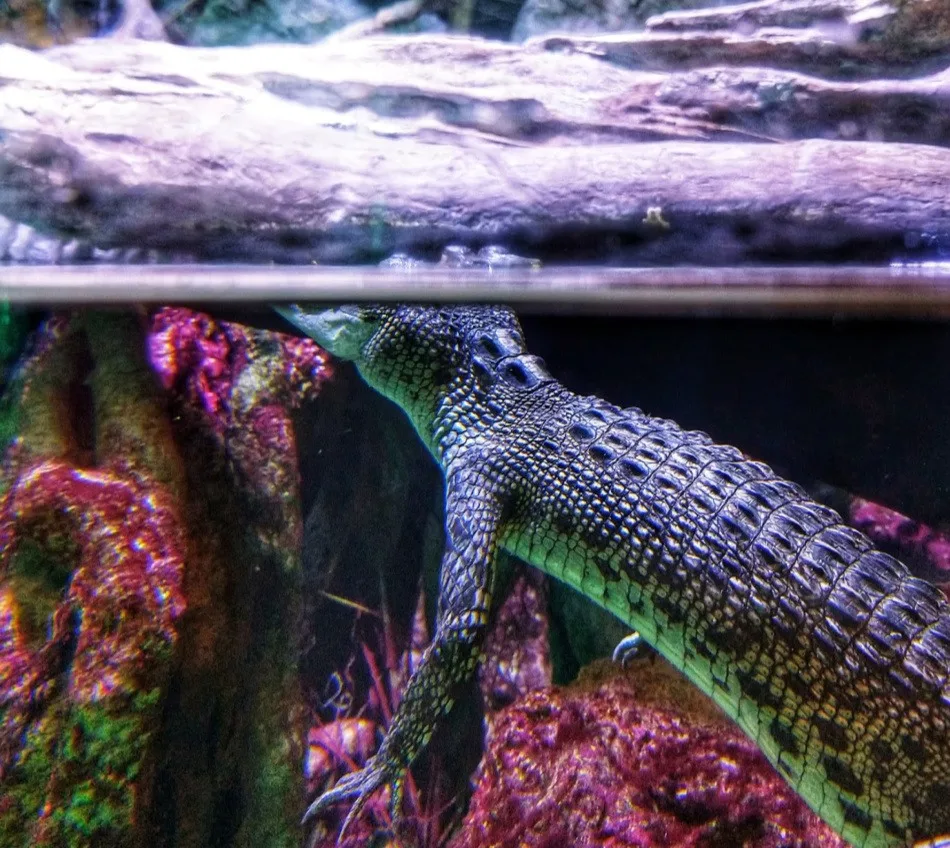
[472, 515]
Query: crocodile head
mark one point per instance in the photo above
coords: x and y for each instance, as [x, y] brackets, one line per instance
[384, 338]
[340, 330]
[413, 354]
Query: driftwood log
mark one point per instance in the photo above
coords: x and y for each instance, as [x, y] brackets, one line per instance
[356, 148]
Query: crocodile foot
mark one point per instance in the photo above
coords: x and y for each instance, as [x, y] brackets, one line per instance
[361, 785]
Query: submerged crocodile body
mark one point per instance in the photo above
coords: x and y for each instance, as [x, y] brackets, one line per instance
[825, 651]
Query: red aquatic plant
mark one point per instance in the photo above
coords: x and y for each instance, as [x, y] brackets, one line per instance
[345, 742]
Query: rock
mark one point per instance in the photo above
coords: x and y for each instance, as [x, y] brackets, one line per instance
[635, 759]
[138, 489]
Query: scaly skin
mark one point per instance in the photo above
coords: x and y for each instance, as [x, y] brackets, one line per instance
[825, 651]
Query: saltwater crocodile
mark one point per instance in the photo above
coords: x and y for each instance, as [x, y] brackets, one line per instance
[825, 651]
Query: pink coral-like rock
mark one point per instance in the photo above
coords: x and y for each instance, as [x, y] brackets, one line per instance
[226, 369]
[241, 385]
[606, 766]
[114, 491]
[907, 538]
[516, 656]
[125, 591]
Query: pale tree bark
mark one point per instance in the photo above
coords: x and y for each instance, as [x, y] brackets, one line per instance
[352, 150]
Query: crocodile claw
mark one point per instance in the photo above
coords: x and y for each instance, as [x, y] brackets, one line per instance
[359, 785]
[628, 649]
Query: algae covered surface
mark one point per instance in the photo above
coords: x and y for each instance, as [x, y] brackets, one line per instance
[127, 636]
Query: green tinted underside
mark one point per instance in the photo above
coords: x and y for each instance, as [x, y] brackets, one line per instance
[566, 559]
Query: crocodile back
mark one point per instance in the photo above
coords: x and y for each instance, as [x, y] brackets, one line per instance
[824, 650]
